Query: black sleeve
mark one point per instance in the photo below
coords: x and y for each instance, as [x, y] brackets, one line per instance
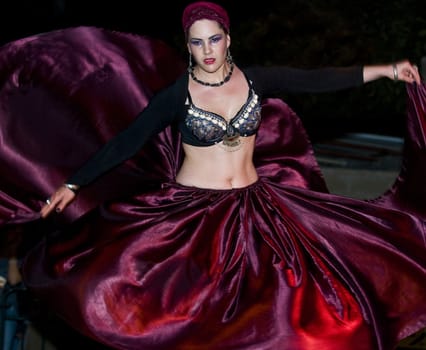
[281, 79]
[159, 113]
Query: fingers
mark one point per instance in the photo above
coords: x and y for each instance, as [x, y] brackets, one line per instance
[408, 72]
[57, 202]
[47, 208]
[411, 74]
[50, 206]
[416, 73]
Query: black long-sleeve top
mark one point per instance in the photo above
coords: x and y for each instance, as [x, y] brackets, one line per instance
[169, 106]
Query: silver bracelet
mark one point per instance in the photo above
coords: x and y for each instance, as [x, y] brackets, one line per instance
[395, 72]
[72, 187]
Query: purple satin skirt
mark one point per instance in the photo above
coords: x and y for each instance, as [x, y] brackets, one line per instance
[146, 263]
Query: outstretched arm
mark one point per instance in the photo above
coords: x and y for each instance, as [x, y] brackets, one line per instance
[284, 79]
[398, 71]
[155, 117]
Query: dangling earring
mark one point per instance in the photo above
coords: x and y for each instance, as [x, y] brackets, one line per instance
[229, 57]
[190, 67]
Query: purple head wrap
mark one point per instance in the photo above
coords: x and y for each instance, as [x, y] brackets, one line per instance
[204, 10]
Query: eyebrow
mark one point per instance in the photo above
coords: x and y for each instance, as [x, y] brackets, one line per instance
[209, 38]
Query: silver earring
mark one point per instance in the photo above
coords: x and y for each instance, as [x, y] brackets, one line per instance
[229, 57]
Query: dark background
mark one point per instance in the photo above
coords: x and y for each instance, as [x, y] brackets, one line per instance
[306, 34]
[299, 33]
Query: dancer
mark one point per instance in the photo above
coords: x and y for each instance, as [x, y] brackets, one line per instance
[238, 245]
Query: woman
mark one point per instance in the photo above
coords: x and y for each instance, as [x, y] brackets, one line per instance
[236, 251]
[206, 27]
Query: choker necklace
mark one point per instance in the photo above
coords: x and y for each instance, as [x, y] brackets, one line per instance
[220, 83]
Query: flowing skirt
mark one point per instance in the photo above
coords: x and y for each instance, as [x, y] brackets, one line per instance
[145, 263]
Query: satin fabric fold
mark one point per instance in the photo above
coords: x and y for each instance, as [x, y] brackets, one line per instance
[62, 95]
[280, 264]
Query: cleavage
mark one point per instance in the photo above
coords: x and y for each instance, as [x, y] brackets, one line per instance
[236, 116]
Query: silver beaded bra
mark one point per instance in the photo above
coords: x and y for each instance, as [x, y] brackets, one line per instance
[212, 128]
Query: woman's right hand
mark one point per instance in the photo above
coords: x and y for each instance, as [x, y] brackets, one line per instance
[58, 201]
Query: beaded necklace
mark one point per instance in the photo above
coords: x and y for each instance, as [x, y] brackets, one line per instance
[220, 83]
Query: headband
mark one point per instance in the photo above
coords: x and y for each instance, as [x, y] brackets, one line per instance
[204, 10]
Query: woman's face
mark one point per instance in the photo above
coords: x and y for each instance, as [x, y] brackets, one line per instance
[208, 44]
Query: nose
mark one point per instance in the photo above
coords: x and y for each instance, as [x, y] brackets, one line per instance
[207, 48]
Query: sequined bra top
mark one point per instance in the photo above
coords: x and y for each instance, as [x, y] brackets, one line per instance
[212, 128]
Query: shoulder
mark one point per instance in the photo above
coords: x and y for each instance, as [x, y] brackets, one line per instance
[264, 73]
[258, 77]
[253, 72]
[173, 93]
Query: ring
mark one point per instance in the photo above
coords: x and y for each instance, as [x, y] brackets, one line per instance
[48, 201]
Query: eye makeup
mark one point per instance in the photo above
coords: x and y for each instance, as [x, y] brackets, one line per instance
[212, 40]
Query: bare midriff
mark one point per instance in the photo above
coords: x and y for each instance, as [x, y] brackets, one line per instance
[218, 167]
